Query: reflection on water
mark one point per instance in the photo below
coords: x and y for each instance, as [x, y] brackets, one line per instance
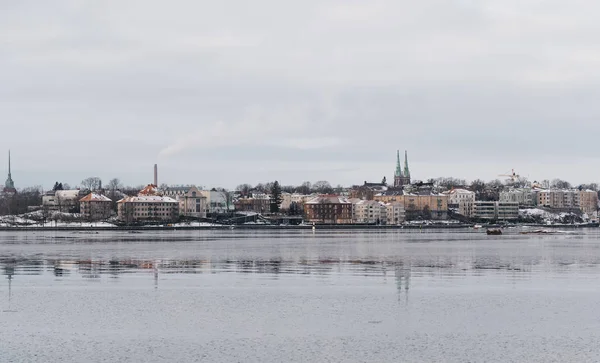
[445, 255]
[223, 296]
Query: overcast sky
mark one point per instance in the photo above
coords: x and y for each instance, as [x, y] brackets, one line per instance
[220, 93]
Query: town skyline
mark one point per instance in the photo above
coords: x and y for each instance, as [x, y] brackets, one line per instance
[144, 177]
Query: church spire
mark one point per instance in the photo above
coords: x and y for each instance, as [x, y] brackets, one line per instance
[406, 170]
[398, 172]
[9, 185]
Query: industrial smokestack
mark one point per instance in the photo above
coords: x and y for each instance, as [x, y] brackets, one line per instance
[156, 174]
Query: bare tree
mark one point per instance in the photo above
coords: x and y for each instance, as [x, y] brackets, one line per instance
[91, 183]
[590, 186]
[560, 184]
[244, 189]
[305, 188]
[227, 196]
[323, 187]
[114, 185]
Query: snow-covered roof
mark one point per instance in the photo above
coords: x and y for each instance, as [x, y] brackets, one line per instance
[368, 202]
[148, 199]
[73, 193]
[93, 197]
[458, 191]
[333, 199]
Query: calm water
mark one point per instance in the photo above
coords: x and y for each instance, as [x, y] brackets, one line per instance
[355, 296]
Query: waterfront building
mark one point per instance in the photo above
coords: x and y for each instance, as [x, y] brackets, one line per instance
[191, 201]
[329, 209]
[495, 210]
[62, 200]
[257, 203]
[217, 202]
[395, 213]
[147, 208]
[588, 201]
[293, 199]
[369, 212]
[462, 200]
[149, 205]
[525, 197]
[426, 206]
[560, 199]
[95, 207]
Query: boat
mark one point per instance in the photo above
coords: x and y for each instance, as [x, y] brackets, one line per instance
[477, 226]
[494, 231]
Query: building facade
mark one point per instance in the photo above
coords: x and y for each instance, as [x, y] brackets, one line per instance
[588, 201]
[192, 203]
[495, 210]
[559, 198]
[369, 212]
[260, 204]
[147, 208]
[328, 209]
[395, 213]
[429, 206]
[62, 200]
[217, 202]
[95, 207]
[462, 200]
[525, 197]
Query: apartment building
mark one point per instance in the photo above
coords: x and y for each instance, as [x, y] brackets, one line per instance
[369, 212]
[95, 207]
[191, 201]
[495, 210]
[328, 209]
[395, 213]
[462, 200]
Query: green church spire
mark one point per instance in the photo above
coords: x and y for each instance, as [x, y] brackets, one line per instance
[398, 172]
[406, 171]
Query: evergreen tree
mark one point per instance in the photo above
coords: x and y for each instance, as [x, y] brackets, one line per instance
[275, 197]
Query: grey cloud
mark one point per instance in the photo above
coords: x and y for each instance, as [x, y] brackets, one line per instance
[298, 90]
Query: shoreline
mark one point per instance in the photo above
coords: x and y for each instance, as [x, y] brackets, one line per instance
[298, 227]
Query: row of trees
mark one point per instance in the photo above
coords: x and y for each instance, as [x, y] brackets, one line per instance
[321, 187]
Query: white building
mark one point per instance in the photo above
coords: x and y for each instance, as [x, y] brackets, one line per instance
[191, 201]
[463, 200]
[525, 197]
[494, 210]
[217, 201]
[287, 199]
[61, 200]
[369, 211]
[395, 213]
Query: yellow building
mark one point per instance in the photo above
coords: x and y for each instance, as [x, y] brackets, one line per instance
[431, 206]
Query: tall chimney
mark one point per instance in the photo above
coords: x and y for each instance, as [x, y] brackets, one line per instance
[156, 174]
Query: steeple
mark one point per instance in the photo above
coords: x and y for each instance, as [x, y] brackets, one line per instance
[406, 171]
[9, 185]
[398, 165]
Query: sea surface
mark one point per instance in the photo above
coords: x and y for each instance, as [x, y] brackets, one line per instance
[300, 296]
